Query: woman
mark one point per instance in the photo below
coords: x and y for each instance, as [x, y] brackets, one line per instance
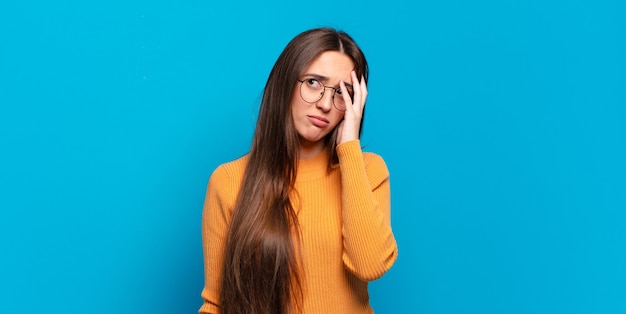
[302, 222]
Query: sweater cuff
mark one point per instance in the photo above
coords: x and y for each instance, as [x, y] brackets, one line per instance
[348, 148]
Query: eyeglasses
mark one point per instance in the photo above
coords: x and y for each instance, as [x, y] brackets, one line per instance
[312, 90]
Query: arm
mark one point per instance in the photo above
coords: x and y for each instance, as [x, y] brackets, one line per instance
[215, 219]
[369, 245]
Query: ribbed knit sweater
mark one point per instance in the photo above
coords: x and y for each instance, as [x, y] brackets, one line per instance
[344, 217]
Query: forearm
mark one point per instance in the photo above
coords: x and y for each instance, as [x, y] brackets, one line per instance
[369, 245]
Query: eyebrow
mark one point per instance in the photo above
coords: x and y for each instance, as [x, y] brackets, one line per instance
[324, 79]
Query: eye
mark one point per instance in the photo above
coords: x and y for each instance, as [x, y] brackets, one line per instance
[311, 82]
[339, 93]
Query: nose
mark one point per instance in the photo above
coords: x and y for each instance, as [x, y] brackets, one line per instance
[326, 102]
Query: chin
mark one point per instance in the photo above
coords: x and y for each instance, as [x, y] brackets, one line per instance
[312, 138]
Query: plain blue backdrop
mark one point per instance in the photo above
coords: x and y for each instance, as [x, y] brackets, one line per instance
[503, 124]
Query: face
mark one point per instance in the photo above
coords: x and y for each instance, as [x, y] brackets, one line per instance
[313, 121]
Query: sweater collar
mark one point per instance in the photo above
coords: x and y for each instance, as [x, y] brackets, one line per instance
[313, 168]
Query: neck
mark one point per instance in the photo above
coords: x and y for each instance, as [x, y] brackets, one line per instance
[310, 149]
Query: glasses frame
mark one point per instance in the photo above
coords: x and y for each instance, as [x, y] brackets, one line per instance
[322, 93]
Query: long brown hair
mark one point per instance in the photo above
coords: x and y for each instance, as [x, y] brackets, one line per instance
[261, 271]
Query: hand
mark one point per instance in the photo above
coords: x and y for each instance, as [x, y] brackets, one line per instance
[349, 127]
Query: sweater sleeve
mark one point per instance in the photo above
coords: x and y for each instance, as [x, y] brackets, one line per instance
[369, 245]
[215, 219]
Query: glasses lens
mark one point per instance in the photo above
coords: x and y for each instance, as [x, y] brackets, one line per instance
[338, 100]
[311, 90]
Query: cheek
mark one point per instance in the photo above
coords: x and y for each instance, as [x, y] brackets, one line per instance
[295, 104]
[335, 117]
[296, 108]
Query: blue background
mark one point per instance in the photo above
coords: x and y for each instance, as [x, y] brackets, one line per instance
[502, 123]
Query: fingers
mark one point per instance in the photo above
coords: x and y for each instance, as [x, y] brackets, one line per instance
[349, 128]
[363, 86]
[345, 95]
[357, 89]
[360, 93]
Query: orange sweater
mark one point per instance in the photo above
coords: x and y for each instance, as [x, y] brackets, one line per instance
[344, 218]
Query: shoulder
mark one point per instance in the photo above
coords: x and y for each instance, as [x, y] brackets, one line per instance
[231, 169]
[375, 167]
[351, 152]
[226, 178]
[374, 160]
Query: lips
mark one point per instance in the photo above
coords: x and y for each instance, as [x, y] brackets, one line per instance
[318, 121]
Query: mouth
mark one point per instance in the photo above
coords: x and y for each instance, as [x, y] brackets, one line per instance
[318, 121]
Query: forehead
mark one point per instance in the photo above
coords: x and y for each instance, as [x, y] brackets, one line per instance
[334, 65]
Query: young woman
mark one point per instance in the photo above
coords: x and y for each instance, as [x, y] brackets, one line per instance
[302, 222]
